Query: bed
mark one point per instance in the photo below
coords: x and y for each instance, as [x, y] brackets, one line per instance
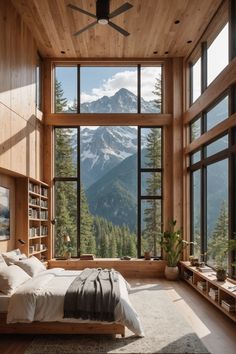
[37, 305]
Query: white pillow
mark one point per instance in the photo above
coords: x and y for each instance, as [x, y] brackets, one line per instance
[11, 278]
[2, 262]
[31, 265]
[13, 256]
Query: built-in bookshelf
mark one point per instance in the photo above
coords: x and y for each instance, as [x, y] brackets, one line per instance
[222, 294]
[32, 217]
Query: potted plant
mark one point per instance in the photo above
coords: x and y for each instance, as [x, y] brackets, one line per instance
[173, 245]
[221, 258]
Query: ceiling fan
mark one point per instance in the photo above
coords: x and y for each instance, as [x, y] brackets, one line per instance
[103, 15]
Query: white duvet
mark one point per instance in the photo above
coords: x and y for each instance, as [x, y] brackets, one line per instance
[42, 299]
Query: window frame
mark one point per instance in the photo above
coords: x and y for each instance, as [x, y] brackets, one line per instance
[77, 179]
[138, 67]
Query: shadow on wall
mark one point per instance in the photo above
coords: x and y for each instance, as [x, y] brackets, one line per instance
[29, 152]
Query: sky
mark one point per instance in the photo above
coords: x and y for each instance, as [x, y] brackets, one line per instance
[97, 82]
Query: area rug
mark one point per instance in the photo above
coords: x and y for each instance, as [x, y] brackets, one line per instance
[166, 331]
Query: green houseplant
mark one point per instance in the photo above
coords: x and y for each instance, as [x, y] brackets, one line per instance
[221, 258]
[173, 245]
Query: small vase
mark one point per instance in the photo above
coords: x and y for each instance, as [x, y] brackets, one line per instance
[171, 273]
[221, 274]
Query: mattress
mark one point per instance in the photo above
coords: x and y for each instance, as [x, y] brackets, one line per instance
[4, 302]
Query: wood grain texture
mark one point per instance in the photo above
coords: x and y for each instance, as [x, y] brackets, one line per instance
[150, 23]
[178, 141]
[134, 268]
[90, 119]
[60, 328]
[19, 125]
[211, 134]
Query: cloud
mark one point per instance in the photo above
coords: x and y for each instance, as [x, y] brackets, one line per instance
[125, 79]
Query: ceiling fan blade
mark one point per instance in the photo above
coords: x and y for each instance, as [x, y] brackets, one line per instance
[85, 28]
[81, 10]
[119, 10]
[119, 29]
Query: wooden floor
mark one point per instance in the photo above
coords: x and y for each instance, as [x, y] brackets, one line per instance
[216, 331]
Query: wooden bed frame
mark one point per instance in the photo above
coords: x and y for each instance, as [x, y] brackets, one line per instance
[60, 327]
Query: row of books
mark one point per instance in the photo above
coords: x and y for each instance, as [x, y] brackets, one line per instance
[36, 214]
[201, 285]
[37, 231]
[228, 304]
[34, 201]
[35, 188]
[213, 293]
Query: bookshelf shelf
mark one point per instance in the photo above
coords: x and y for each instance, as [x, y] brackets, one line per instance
[33, 217]
[222, 293]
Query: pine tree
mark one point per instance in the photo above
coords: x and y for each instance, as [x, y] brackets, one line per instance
[152, 212]
[87, 239]
[60, 101]
[219, 240]
[158, 92]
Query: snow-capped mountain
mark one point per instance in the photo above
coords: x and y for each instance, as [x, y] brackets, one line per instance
[123, 101]
[103, 148]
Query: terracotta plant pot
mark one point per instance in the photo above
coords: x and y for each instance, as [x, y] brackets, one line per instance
[171, 273]
[221, 274]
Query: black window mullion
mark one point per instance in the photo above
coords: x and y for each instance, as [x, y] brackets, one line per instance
[139, 88]
[203, 66]
[78, 88]
[139, 231]
[78, 192]
[204, 210]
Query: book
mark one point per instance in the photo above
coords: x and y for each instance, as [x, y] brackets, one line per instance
[204, 269]
[87, 257]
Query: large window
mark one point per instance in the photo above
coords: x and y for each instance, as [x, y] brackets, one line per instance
[210, 191]
[100, 89]
[99, 196]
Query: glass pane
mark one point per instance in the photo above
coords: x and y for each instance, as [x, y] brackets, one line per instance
[196, 212]
[217, 213]
[195, 129]
[66, 89]
[66, 218]
[151, 89]
[151, 226]
[66, 152]
[217, 146]
[151, 146]
[151, 184]
[109, 178]
[218, 113]
[196, 157]
[218, 55]
[108, 89]
[196, 77]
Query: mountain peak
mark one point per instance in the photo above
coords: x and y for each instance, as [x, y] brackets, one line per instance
[124, 92]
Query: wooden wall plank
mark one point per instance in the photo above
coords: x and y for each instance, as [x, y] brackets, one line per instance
[137, 268]
[18, 127]
[177, 138]
[107, 119]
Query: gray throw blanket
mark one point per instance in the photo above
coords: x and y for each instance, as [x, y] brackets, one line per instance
[93, 295]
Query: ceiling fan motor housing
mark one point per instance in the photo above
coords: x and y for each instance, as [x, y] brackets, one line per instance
[102, 11]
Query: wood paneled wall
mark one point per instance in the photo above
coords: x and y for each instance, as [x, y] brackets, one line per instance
[20, 129]
[9, 182]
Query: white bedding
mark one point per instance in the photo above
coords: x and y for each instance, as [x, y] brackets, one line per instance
[42, 299]
[4, 302]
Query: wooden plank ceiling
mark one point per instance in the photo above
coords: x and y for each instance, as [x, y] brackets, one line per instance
[151, 24]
